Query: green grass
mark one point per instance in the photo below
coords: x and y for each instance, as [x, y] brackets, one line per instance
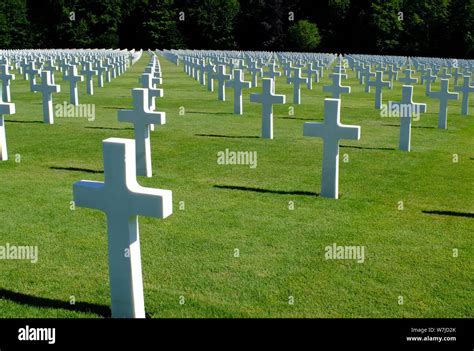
[191, 253]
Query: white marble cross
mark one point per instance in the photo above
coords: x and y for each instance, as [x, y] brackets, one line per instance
[47, 88]
[444, 74]
[310, 71]
[332, 130]
[5, 76]
[465, 89]
[408, 79]
[254, 71]
[141, 116]
[31, 71]
[297, 80]
[267, 98]
[379, 84]
[392, 75]
[443, 96]
[100, 70]
[123, 199]
[336, 89]
[428, 78]
[89, 73]
[6, 108]
[407, 109]
[221, 77]
[237, 83]
[146, 80]
[272, 72]
[73, 78]
[210, 70]
[367, 75]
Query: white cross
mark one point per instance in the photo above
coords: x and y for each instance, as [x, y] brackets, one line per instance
[146, 80]
[47, 89]
[73, 78]
[237, 84]
[100, 70]
[336, 89]
[31, 71]
[142, 117]
[6, 77]
[123, 199]
[254, 71]
[272, 72]
[428, 78]
[379, 84]
[444, 74]
[221, 77]
[367, 75]
[89, 73]
[407, 110]
[392, 75]
[332, 130]
[297, 80]
[310, 71]
[108, 70]
[210, 70]
[267, 98]
[443, 95]
[6, 108]
[465, 89]
[408, 79]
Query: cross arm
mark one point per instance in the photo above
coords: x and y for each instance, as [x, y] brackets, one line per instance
[89, 194]
[313, 129]
[150, 202]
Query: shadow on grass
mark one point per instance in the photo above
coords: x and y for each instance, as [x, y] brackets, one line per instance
[75, 169]
[34, 301]
[114, 108]
[109, 128]
[367, 148]
[16, 121]
[228, 136]
[211, 113]
[260, 190]
[451, 213]
[302, 119]
[398, 126]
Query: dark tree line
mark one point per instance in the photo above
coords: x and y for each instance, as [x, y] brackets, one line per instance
[404, 27]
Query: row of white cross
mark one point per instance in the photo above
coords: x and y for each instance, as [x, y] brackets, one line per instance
[123, 199]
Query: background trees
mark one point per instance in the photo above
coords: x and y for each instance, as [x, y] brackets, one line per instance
[406, 27]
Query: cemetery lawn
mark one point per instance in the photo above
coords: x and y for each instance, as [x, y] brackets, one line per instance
[234, 210]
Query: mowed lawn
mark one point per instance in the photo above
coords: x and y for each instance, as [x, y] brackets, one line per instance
[188, 259]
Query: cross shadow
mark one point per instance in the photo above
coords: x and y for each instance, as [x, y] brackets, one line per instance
[109, 128]
[228, 136]
[451, 213]
[398, 126]
[301, 119]
[14, 121]
[260, 190]
[115, 107]
[34, 301]
[366, 148]
[211, 113]
[76, 169]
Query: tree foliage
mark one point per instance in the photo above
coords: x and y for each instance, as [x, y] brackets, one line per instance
[304, 36]
[426, 27]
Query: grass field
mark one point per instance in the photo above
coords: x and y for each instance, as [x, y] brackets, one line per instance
[408, 252]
